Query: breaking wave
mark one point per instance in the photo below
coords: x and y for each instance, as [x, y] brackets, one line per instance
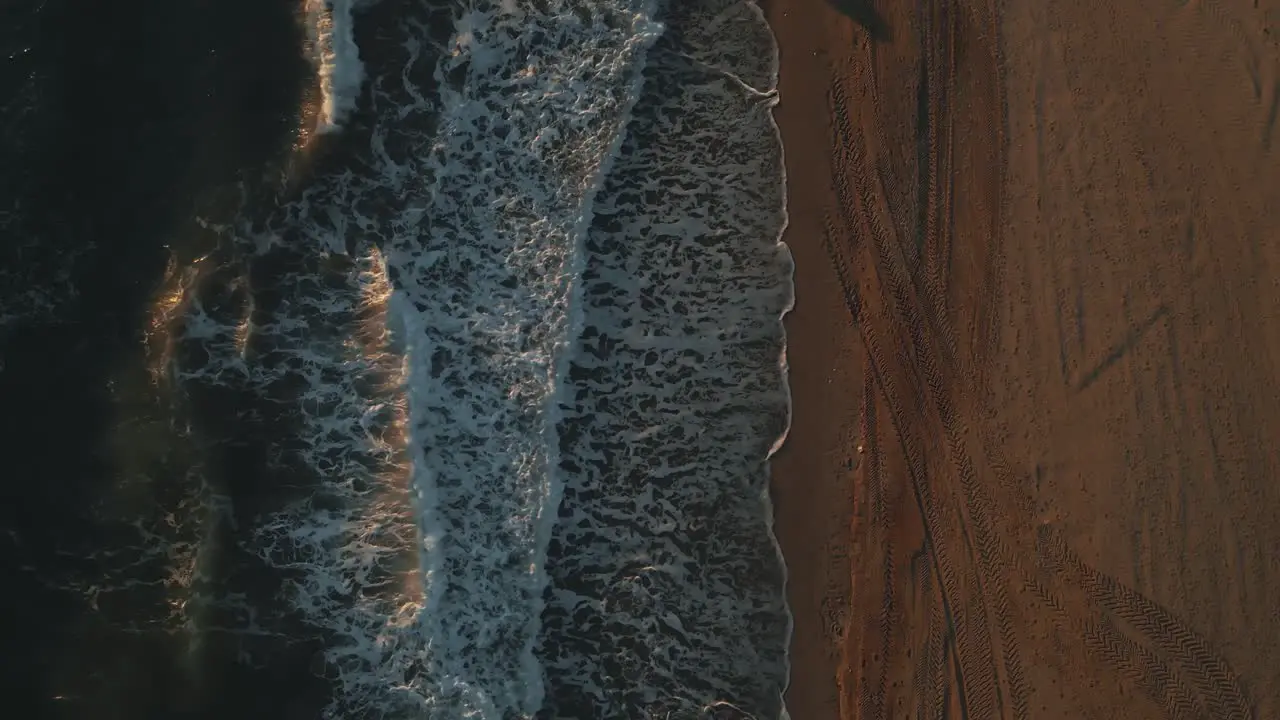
[477, 401]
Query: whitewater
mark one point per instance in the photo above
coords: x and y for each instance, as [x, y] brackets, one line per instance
[484, 291]
[512, 338]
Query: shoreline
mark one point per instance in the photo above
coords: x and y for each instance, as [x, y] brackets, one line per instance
[820, 342]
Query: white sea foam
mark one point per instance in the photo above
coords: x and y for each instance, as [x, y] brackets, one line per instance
[333, 520]
[534, 101]
[330, 28]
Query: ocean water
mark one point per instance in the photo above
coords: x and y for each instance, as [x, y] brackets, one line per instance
[374, 359]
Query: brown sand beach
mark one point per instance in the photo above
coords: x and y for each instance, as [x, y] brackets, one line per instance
[1035, 358]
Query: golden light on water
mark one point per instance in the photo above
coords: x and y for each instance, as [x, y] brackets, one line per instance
[309, 114]
[244, 330]
[373, 340]
[161, 435]
[171, 300]
[157, 489]
[384, 519]
[316, 109]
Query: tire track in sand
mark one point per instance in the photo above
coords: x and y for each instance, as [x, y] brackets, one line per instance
[1216, 684]
[984, 663]
[978, 532]
[891, 361]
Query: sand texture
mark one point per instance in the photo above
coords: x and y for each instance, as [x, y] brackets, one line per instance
[1035, 358]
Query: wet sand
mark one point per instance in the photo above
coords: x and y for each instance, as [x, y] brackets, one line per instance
[1035, 358]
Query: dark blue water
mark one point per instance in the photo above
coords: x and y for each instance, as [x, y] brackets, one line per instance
[118, 121]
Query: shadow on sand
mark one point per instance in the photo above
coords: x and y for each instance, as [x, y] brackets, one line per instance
[864, 13]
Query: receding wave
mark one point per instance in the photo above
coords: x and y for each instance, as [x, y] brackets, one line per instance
[667, 588]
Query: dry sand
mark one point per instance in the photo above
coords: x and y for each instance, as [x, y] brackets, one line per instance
[1035, 358]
